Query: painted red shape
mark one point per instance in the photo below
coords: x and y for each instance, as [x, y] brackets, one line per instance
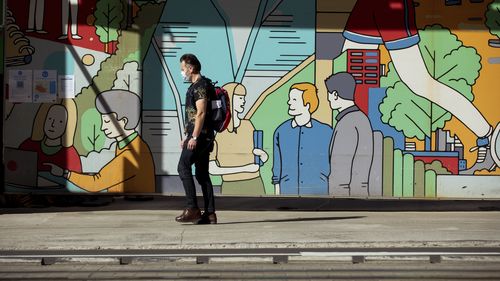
[53, 23]
[12, 165]
[396, 5]
[450, 163]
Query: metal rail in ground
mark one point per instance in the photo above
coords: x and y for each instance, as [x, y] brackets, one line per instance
[358, 255]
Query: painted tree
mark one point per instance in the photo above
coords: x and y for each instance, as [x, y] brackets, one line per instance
[493, 22]
[109, 20]
[129, 78]
[93, 138]
[131, 47]
[449, 62]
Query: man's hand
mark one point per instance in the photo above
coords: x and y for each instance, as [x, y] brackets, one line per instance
[55, 170]
[191, 144]
[261, 153]
[252, 168]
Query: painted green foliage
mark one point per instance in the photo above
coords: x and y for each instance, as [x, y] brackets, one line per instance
[145, 24]
[449, 62]
[437, 167]
[493, 18]
[108, 19]
[94, 138]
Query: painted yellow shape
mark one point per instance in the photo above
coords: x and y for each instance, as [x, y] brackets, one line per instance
[344, 6]
[132, 170]
[331, 22]
[88, 59]
[323, 71]
[235, 150]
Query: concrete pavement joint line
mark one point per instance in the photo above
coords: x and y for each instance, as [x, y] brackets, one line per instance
[305, 254]
[182, 235]
[342, 254]
[268, 253]
[148, 256]
[294, 250]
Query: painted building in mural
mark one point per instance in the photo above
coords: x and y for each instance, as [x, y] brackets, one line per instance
[372, 99]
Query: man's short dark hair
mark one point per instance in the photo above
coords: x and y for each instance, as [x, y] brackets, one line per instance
[343, 83]
[193, 61]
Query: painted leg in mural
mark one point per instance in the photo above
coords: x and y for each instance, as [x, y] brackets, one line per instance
[67, 7]
[36, 13]
[31, 16]
[413, 72]
[74, 19]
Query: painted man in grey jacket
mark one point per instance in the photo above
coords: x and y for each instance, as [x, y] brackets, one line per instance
[352, 142]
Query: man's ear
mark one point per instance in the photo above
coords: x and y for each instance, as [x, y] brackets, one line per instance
[125, 121]
[335, 95]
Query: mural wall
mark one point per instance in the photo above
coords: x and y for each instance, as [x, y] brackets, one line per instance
[372, 99]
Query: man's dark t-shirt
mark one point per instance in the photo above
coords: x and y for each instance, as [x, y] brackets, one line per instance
[201, 89]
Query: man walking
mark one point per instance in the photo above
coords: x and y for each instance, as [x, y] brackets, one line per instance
[197, 144]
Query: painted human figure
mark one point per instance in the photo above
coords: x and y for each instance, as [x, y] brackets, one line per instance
[132, 168]
[352, 142]
[301, 147]
[35, 17]
[392, 23]
[52, 136]
[70, 6]
[234, 151]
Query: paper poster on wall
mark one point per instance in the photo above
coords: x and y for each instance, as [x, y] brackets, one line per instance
[44, 86]
[66, 86]
[20, 85]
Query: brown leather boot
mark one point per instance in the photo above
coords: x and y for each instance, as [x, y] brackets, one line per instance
[189, 215]
[208, 218]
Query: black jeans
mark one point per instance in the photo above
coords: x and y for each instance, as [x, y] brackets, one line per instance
[200, 158]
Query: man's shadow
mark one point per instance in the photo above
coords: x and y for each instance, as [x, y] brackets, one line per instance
[297, 220]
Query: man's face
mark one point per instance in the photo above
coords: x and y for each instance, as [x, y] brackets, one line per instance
[186, 71]
[334, 100]
[296, 105]
[238, 103]
[55, 122]
[112, 127]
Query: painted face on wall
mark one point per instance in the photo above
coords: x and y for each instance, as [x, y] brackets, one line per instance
[55, 122]
[239, 103]
[112, 127]
[334, 100]
[296, 105]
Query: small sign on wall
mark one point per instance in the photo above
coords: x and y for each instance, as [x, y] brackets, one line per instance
[20, 85]
[66, 86]
[44, 86]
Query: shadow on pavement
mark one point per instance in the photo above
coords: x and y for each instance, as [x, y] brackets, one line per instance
[299, 220]
[27, 203]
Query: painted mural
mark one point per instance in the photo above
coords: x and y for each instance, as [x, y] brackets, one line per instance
[358, 98]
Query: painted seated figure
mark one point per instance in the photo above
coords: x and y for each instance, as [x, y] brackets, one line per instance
[52, 136]
[132, 168]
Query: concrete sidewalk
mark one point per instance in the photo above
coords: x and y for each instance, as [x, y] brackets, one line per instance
[251, 223]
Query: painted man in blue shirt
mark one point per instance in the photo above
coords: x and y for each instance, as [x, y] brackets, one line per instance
[301, 146]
